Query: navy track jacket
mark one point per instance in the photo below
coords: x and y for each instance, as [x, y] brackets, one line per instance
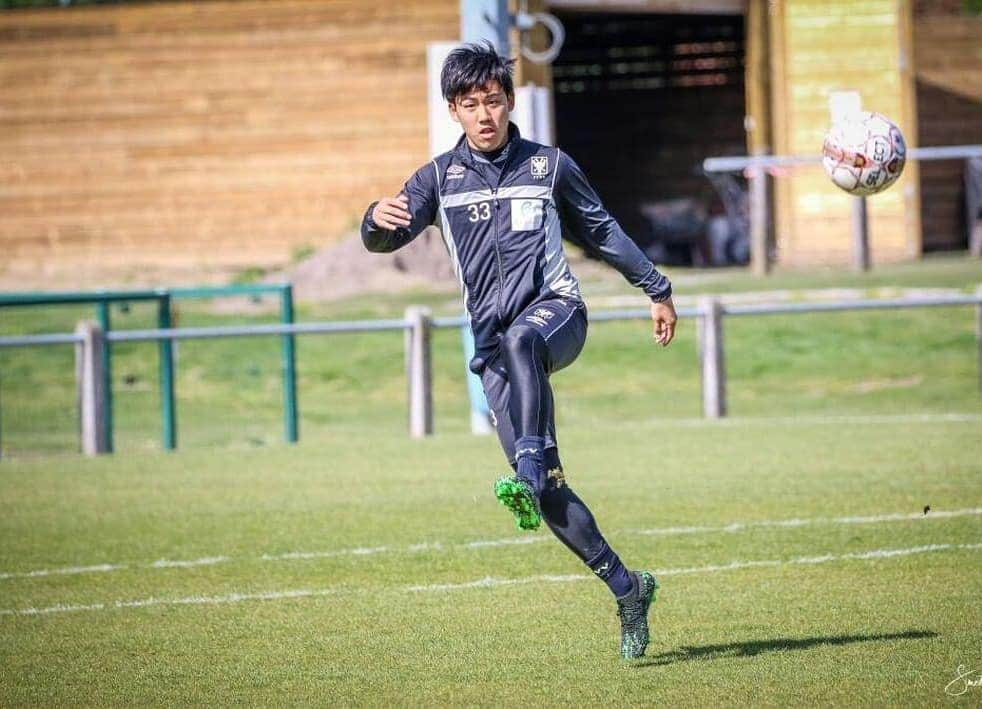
[504, 236]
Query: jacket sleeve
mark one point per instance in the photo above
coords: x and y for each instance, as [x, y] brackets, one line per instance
[422, 192]
[583, 216]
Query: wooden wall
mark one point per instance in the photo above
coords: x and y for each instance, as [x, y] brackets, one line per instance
[206, 132]
[948, 57]
[817, 48]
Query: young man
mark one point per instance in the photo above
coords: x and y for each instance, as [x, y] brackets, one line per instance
[504, 204]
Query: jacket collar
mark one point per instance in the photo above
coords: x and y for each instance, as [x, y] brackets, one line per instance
[463, 151]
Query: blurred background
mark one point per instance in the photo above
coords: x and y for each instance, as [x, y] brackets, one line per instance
[215, 136]
[168, 144]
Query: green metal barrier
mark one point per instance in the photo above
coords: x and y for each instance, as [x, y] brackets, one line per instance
[289, 366]
[101, 300]
[168, 410]
[164, 298]
[288, 344]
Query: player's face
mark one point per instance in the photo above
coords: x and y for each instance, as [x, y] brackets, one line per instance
[483, 114]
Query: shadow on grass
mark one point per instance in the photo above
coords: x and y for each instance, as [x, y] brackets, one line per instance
[756, 647]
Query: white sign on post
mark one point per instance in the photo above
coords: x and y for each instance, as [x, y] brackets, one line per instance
[843, 104]
[444, 131]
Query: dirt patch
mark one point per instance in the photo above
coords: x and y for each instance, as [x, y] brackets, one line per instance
[871, 385]
[346, 268]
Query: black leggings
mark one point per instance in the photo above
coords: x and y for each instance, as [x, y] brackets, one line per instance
[525, 355]
[543, 340]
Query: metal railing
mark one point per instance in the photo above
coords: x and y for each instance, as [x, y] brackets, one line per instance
[102, 300]
[164, 298]
[418, 325]
[711, 332]
[91, 368]
[756, 167]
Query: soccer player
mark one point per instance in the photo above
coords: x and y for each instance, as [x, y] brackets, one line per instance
[504, 204]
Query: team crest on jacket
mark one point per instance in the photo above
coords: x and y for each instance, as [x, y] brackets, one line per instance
[455, 172]
[540, 165]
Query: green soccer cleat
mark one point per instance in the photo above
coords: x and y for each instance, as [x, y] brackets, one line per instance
[518, 496]
[632, 609]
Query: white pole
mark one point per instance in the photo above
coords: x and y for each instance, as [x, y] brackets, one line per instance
[711, 355]
[758, 222]
[860, 235]
[419, 371]
[89, 373]
[978, 332]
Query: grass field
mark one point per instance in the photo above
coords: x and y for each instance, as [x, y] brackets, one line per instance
[338, 572]
[363, 568]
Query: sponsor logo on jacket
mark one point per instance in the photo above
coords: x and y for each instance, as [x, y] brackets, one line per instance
[540, 316]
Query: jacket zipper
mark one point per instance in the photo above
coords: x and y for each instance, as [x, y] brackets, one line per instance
[497, 254]
[496, 246]
[497, 249]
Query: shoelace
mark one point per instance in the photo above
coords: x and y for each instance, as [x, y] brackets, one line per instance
[630, 611]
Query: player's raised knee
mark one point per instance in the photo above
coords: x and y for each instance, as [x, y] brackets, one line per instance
[520, 338]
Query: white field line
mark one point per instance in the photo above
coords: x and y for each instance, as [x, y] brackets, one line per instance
[357, 551]
[491, 582]
[737, 422]
[487, 582]
[65, 571]
[508, 541]
[824, 559]
[206, 561]
[832, 521]
[480, 543]
[425, 546]
[187, 601]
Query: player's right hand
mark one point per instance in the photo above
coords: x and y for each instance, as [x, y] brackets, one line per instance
[392, 212]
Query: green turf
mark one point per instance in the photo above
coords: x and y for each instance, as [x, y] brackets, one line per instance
[845, 632]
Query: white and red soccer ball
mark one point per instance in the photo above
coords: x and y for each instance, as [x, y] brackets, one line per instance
[864, 153]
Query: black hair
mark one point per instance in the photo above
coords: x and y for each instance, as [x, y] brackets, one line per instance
[474, 66]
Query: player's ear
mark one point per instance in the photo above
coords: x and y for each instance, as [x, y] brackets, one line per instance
[511, 102]
[452, 108]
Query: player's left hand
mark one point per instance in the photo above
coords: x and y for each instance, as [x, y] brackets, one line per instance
[663, 318]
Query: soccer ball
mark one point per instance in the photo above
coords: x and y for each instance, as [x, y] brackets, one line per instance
[864, 153]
